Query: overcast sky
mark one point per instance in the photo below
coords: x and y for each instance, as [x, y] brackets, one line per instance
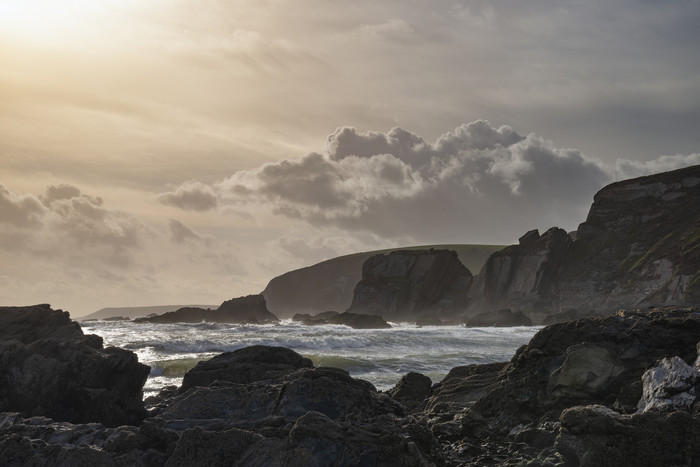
[187, 151]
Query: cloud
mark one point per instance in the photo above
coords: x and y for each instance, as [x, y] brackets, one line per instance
[625, 168]
[63, 222]
[180, 233]
[20, 210]
[191, 196]
[472, 184]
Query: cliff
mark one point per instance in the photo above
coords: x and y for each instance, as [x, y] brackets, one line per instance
[639, 246]
[330, 285]
[413, 284]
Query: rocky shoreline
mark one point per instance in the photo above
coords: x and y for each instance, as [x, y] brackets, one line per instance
[617, 390]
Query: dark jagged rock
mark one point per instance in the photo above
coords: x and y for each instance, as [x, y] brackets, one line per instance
[639, 247]
[330, 391]
[411, 390]
[593, 436]
[250, 309]
[50, 368]
[499, 318]
[585, 362]
[405, 284]
[516, 415]
[27, 324]
[245, 366]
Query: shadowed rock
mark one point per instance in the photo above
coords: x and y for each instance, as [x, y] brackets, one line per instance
[245, 366]
[250, 309]
[411, 390]
[50, 368]
[405, 284]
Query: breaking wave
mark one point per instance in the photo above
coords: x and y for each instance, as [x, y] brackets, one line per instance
[380, 356]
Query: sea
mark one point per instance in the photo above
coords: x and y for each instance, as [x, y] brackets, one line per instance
[380, 356]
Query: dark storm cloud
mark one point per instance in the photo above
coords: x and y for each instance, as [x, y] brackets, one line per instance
[191, 196]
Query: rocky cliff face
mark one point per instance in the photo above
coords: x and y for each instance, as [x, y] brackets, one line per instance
[639, 246]
[412, 284]
[330, 285]
[524, 277]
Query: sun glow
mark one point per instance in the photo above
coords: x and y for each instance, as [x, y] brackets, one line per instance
[50, 21]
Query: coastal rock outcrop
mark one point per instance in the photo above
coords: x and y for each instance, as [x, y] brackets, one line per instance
[580, 363]
[522, 278]
[407, 285]
[330, 284]
[353, 320]
[639, 247]
[250, 309]
[49, 368]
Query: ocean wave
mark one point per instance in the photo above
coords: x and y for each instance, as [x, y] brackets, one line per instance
[379, 356]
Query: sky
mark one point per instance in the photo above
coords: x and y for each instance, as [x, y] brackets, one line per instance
[187, 151]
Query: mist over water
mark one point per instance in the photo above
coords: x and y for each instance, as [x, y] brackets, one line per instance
[380, 356]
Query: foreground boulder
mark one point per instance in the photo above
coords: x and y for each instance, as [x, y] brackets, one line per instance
[247, 365]
[250, 309]
[66, 375]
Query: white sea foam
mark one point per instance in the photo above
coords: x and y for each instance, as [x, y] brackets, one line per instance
[380, 356]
